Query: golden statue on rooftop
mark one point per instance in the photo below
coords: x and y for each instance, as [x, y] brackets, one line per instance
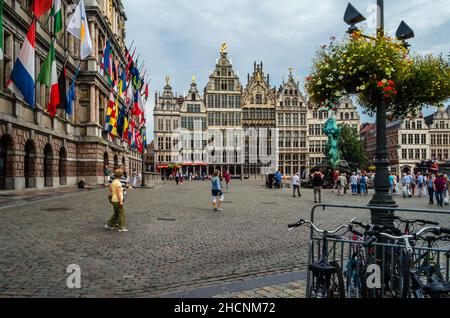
[168, 80]
[223, 48]
[193, 78]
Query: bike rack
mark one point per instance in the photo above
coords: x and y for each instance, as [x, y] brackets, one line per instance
[383, 246]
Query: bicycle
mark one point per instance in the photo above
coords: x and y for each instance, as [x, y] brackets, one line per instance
[328, 281]
[408, 280]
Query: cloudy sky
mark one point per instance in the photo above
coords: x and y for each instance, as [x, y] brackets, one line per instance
[182, 38]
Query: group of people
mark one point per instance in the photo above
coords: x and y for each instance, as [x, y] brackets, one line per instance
[434, 186]
[358, 182]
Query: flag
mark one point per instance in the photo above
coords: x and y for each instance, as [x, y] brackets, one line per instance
[111, 116]
[121, 122]
[71, 94]
[62, 85]
[146, 92]
[132, 135]
[137, 111]
[1, 29]
[125, 128]
[79, 28]
[40, 7]
[21, 81]
[49, 77]
[123, 83]
[106, 56]
[56, 13]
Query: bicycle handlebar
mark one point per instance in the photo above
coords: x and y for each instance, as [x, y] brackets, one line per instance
[315, 228]
[416, 221]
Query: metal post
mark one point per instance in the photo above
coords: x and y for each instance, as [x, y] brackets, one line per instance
[382, 197]
[380, 15]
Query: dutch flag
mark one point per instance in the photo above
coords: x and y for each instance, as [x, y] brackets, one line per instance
[21, 81]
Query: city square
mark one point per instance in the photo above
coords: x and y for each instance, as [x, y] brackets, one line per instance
[280, 150]
[177, 246]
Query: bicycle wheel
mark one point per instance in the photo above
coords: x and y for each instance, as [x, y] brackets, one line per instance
[337, 285]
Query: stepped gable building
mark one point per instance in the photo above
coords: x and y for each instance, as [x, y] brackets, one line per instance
[167, 118]
[194, 133]
[223, 95]
[439, 134]
[291, 113]
[37, 151]
[259, 122]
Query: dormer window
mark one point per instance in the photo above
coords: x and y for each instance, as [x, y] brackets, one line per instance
[194, 97]
[258, 99]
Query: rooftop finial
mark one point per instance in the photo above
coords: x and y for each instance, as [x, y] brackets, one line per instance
[193, 78]
[223, 48]
[168, 80]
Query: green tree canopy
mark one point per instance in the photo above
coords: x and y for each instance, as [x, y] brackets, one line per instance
[352, 149]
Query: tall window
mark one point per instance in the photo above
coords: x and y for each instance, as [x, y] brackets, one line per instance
[258, 99]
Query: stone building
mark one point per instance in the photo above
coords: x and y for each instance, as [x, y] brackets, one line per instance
[259, 122]
[194, 133]
[149, 157]
[167, 119]
[439, 134]
[413, 140]
[291, 112]
[37, 151]
[223, 95]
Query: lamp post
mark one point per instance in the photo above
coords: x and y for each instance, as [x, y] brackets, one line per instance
[382, 197]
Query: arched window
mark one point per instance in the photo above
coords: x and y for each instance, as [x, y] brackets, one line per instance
[30, 164]
[48, 165]
[347, 116]
[63, 166]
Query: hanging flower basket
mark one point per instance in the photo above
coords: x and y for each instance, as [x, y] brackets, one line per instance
[378, 70]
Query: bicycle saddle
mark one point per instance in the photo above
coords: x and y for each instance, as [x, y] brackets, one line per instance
[322, 267]
[437, 288]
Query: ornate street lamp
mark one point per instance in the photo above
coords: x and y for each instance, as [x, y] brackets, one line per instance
[382, 197]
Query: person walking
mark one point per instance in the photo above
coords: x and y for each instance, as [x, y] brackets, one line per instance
[177, 178]
[116, 197]
[440, 185]
[342, 184]
[217, 194]
[446, 199]
[296, 184]
[227, 177]
[317, 182]
[406, 183]
[354, 183]
[392, 181]
[335, 180]
[134, 178]
[363, 184]
[106, 175]
[431, 188]
[421, 184]
[278, 179]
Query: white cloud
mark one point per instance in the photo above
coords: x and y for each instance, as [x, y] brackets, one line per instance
[180, 38]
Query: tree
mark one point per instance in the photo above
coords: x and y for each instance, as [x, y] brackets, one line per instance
[352, 149]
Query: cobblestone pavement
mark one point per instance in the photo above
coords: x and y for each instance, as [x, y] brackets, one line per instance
[176, 247]
[290, 290]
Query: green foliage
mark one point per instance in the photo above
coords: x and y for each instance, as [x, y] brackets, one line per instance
[352, 149]
[378, 69]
